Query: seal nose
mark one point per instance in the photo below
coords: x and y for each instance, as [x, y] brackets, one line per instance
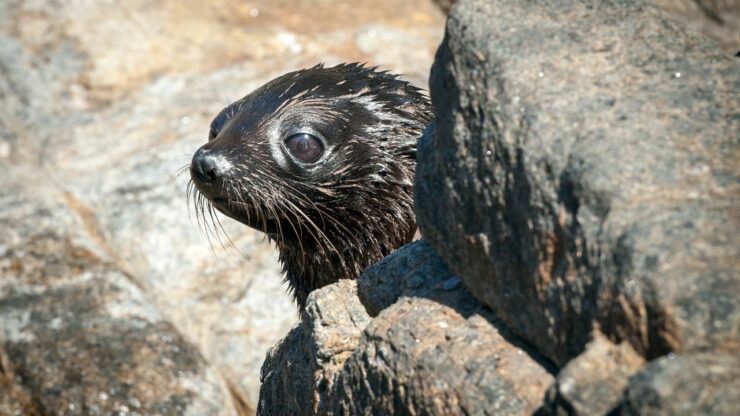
[204, 167]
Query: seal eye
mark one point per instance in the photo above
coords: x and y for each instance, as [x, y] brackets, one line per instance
[304, 147]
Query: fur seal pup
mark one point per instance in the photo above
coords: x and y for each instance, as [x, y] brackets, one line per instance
[321, 160]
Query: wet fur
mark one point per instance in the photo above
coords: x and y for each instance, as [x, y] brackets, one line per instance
[331, 220]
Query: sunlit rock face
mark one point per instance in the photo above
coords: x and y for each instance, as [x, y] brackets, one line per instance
[103, 104]
[580, 179]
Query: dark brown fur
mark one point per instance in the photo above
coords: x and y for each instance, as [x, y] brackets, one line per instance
[333, 218]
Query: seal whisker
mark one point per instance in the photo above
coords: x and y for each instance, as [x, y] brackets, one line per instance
[322, 162]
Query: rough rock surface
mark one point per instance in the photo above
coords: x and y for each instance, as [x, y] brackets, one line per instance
[431, 349]
[580, 182]
[103, 103]
[593, 382]
[686, 384]
[718, 19]
[583, 172]
[300, 371]
[77, 335]
[417, 272]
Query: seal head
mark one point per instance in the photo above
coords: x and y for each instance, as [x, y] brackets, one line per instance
[322, 161]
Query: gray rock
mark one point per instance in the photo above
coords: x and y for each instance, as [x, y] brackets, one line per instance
[718, 19]
[433, 349]
[582, 171]
[686, 384]
[299, 373]
[430, 349]
[77, 336]
[13, 401]
[423, 357]
[102, 106]
[593, 383]
[416, 271]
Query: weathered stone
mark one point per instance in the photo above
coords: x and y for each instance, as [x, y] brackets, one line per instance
[417, 271]
[300, 371]
[686, 384]
[79, 337]
[423, 357]
[13, 401]
[104, 103]
[582, 172]
[432, 348]
[593, 383]
[718, 19]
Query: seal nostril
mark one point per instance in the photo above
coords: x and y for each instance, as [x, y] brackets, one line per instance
[204, 167]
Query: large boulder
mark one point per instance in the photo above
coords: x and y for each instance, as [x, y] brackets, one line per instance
[104, 103]
[582, 173]
[686, 384]
[77, 335]
[299, 373]
[429, 348]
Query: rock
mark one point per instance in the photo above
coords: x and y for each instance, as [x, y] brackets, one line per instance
[718, 19]
[433, 349]
[414, 271]
[12, 400]
[77, 336]
[104, 103]
[582, 172]
[423, 357]
[430, 349]
[686, 384]
[593, 382]
[299, 373]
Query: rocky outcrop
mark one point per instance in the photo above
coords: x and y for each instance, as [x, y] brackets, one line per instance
[577, 180]
[593, 383]
[599, 175]
[718, 19]
[102, 105]
[78, 335]
[686, 384]
[431, 348]
[578, 187]
[305, 364]
[435, 350]
[576, 197]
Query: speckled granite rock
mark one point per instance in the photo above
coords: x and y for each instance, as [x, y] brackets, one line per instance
[430, 349]
[579, 174]
[300, 371]
[104, 103]
[593, 383]
[77, 336]
[423, 357]
[686, 384]
[718, 19]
